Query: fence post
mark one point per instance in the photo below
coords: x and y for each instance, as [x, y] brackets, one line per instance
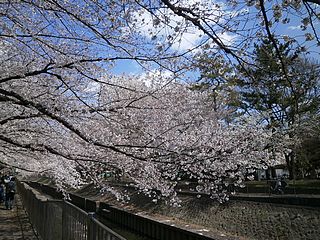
[64, 221]
[91, 227]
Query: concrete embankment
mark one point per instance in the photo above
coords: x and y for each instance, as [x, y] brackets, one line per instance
[238, 219]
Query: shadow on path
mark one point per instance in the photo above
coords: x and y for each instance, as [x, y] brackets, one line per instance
[15, 224]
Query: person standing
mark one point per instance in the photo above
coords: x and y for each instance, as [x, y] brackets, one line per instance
[10, 192]
[1, 192]
[279, 187]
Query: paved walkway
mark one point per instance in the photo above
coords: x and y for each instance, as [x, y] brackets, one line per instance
[14, 224]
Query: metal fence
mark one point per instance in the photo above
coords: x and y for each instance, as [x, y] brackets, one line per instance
[44, 215]
[58, 219]
[80, 225]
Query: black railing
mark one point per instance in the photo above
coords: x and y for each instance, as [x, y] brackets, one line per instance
[58, 219]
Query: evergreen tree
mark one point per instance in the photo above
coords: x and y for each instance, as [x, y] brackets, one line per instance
[285, 98]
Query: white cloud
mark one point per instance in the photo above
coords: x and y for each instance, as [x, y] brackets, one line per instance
[227, 38]
[294, 27]
[163, 32]
[156, 77]
[188, 41]
[92, 87]
[169, 27]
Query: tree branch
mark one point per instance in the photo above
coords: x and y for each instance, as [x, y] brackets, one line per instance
[20, 117]
[312, 1]
[65, 123]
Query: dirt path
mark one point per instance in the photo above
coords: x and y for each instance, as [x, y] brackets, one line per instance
[15, 224]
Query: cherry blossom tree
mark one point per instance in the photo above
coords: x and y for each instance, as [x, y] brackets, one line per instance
[153, 132]
[63, 112]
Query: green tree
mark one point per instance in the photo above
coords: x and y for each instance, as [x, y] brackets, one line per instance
[216, 77]
[284, 97]
[308, 152]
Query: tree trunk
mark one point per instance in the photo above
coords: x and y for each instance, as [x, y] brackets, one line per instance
[313, 174]
[290, 160]
[268, 177]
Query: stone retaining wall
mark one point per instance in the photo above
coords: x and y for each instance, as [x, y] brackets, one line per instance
[247, 220]
[250, 219]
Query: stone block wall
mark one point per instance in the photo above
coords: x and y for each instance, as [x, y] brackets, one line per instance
[251, 220]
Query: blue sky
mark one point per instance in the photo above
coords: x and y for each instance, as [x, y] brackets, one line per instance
[193, 36]
[127, 67]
